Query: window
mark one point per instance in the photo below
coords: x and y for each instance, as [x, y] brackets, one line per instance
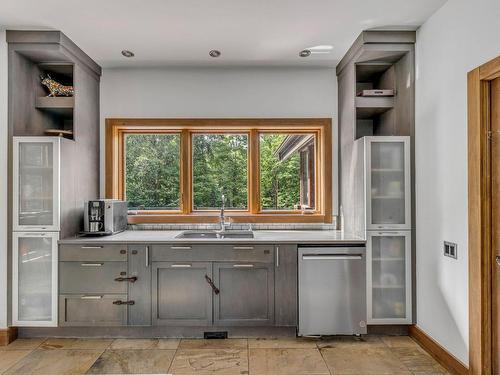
[152, 171]
[220, 166]
[176, 170]
[287, 171]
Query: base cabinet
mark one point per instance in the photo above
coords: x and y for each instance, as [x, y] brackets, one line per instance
[92, 310]
[246, 296]
[181, 294]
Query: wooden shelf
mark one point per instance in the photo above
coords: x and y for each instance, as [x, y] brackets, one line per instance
[369, 107]
[368, 72]
[60, 105]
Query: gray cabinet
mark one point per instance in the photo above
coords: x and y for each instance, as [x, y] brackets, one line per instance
[139, 291]
[92, 310]
[285, 269]
[181, 294]
[246, 294]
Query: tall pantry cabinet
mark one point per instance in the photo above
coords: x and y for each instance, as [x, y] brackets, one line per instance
[384, 188]
[50, 176]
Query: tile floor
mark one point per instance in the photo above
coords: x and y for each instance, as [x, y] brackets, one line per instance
[372, 355]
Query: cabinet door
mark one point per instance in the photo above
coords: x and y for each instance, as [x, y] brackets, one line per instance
[36, 184]
[389, 277]
[388, 183]
[34, 270]
[285, 268]
[246, 295]
[181, 294]
[139, 266]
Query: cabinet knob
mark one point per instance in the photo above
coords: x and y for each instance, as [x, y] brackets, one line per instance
[123, 251]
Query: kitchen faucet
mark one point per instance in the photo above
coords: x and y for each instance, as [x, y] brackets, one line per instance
[222, 218]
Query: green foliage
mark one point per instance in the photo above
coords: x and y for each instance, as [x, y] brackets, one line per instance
[220, 167]
[152, 171]
[279, 180]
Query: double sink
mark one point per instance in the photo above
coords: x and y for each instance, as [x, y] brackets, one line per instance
[216, 234]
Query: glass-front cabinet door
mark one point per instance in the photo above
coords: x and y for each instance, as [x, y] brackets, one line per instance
[34, 290]
[389, 277]
[36, 184]
[388, 183]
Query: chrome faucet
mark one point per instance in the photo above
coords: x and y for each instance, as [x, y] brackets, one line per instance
[222, 217]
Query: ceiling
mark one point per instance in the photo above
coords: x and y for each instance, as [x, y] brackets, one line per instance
[182, 32]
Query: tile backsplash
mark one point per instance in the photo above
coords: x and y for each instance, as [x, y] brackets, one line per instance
[238, 226]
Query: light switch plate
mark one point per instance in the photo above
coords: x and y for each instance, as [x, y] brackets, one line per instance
[450, 249]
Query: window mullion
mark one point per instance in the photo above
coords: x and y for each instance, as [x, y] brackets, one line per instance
[253, 172]
[186, 180]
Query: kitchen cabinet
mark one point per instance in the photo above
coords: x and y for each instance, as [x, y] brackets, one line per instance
[246, 294]
[36, 183]
[285, 293]
[387, 183]
[180, 293]
[389, 277]
[139, 288]
[34, 270]
[92, 310]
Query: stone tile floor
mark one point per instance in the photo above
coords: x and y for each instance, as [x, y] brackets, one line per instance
[371, 355]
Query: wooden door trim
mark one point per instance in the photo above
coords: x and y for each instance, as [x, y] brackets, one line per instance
[479, 215]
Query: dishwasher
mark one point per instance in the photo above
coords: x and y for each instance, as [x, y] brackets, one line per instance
[332, 290]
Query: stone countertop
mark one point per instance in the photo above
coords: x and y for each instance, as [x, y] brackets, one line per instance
[260, 236]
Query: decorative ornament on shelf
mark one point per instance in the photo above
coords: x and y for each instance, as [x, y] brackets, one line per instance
[55, 88]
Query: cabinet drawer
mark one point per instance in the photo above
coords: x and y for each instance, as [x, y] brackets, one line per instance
[93, 252]
[92, 310]
[213, 253]
[92, 277]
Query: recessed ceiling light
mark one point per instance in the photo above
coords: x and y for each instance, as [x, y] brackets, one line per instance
[304, 53]
[214, 53]
[127, 53]
[321, 48]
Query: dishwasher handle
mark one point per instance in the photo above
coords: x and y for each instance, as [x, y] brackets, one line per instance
[332, 256]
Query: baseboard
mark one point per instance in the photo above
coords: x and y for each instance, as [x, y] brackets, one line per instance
[440, 354]
[7, 335]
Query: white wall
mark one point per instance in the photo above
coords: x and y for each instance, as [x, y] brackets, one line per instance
[460, 36]
[3, 180]
[219, 93]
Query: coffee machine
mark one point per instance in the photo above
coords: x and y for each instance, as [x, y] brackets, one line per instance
[105, 217]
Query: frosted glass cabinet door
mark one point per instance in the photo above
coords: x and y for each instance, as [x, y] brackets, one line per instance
[34, 264]
[388, 277]
[389, 183]
[36, 183]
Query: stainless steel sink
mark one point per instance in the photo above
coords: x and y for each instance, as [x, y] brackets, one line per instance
[236, 234]
[214, 234]
[197, 234]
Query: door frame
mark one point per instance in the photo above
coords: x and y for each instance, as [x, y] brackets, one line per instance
[479, 215]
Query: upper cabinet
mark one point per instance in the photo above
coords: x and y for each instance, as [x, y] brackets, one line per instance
[36, 181]
[387, 168]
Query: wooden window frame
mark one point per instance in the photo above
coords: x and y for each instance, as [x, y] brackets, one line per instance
[116, 129]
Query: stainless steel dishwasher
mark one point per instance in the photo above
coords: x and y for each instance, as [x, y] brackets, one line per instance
[332, 290]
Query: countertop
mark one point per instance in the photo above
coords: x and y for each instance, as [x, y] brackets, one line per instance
[260, 236]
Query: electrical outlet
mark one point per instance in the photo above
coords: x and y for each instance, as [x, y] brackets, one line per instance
[450, 249]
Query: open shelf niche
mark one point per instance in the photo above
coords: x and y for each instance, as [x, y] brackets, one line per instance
[58, 110]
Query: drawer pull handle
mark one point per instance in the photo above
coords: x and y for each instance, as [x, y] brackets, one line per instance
[243, 265]
[180, 247]
[242, 247]
[119, 302]
[91, 297]
[92, 264]
[92, 247]
[181, 266]
[132, 279]
[211, 283]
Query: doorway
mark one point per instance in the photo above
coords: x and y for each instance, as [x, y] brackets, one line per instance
[484, 218]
